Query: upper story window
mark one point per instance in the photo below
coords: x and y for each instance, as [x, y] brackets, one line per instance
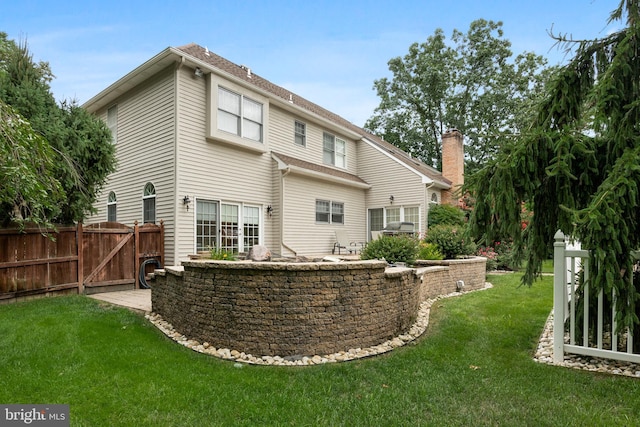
[300, 132]
[334, 150]
[112, 122]
[111, 207]
[149, 204]
[239, 115]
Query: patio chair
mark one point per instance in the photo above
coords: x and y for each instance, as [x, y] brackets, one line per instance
[343, 242]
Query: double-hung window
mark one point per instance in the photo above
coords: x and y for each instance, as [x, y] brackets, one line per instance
[149, 204]
[300, 133]
[111, 207]
[112, 123]
[334, 150]
[239, 115]
[329, 212]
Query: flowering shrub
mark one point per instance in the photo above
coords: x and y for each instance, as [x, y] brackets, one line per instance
[452, 241]
[499, 256]
[490, 254]
[429, 251]
[393, 249]
[222, 255]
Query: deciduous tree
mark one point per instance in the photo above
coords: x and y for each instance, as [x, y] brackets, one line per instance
[472, 83]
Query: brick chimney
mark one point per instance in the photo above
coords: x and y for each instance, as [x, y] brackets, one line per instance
[452, 164]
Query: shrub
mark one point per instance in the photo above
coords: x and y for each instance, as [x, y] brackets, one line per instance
[445, 215]
[505, 258]
[490, 254]
[393, 249]
[222, 255]
[429, 251]
[452, 241]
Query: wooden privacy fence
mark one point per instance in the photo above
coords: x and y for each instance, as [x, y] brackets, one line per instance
[584, 322]
[83, 259]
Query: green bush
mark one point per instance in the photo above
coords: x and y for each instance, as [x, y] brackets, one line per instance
[429, 251]
[222, 255]
[445, 215]
[393, 249]
[452, 241]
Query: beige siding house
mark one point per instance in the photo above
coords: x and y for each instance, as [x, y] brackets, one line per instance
[229, 160]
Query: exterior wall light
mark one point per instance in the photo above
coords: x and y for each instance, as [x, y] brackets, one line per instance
[186, 201]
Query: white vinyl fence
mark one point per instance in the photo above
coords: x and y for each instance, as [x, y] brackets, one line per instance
[568, 265]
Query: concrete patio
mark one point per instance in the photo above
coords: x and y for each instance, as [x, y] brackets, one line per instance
[138, 299]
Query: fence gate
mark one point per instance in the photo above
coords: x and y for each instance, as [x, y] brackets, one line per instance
[96, 258]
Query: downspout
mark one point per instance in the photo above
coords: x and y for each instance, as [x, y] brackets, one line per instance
[282, 198]
[176, 225]
[427, 204]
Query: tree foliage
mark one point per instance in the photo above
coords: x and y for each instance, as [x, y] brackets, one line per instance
[471, 83]
[29, 190]
[80, 144]
[577, 165]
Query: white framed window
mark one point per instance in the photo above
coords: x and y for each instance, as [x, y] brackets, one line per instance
[239, 115]
[337, 213]
[334, 150]
[112, 207]
[206, 225]
[323, 211]
[149, 204]
[392, 215]
[328, 212]
[412, 214]
[233, 227]
[300, 133]
[112, 123]
[251, 226]
[434, 198]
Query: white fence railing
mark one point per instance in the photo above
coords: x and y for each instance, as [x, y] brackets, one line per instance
[605, 342]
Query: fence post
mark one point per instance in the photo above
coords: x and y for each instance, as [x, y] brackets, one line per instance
[559, 292]
[136, 245]
[162, 243]
[80, 253]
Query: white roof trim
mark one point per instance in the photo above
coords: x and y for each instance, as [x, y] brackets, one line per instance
[297, 170]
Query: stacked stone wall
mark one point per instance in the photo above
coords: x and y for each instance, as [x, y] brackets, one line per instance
[287, 309]
[301, 309]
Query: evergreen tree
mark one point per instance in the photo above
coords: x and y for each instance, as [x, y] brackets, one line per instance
[81, 143]
[577, 165]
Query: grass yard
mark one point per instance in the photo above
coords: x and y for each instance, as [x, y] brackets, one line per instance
[473, 366]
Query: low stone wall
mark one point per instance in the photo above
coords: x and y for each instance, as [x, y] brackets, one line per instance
[440, 277]
[300, 309]
[287, 309]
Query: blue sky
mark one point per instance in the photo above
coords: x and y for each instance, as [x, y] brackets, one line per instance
[329, 52]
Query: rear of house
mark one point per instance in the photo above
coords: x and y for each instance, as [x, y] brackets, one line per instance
[229, 160]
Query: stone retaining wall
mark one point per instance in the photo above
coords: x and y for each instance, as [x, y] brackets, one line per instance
[295, 309]
[440, 277]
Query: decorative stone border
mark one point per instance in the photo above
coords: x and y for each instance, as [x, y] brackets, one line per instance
[544, 354]
[414, 332]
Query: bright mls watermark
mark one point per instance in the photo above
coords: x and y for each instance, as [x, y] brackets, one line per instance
[34, 415]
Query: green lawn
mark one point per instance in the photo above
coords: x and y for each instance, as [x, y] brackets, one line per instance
[473, 366]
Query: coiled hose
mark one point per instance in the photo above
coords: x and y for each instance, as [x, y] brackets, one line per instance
[142, 276]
